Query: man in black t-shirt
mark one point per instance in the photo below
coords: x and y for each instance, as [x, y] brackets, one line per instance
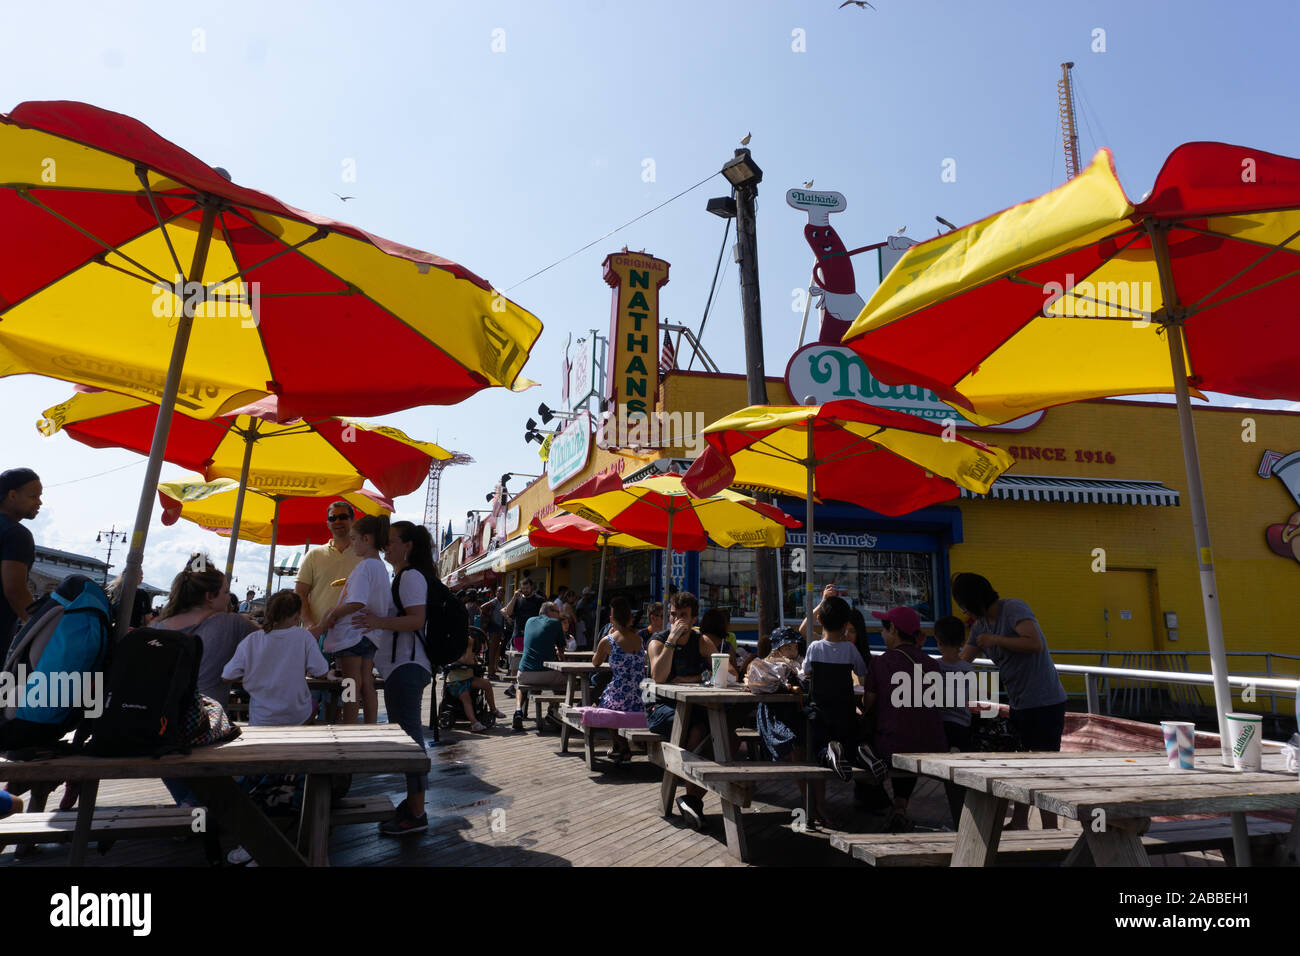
[523, 607]
[20, 499]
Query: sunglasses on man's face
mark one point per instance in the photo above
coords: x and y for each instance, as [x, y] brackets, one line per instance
[342, 517]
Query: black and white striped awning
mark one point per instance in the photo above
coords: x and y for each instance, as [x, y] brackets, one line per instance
[1079, 491]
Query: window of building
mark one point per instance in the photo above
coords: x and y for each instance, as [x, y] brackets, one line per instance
[874, 580]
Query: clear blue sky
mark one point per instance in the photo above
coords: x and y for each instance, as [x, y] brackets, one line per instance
[506, 161]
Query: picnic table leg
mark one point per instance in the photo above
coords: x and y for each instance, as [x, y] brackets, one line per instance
[1291, 849]
[589, 747]
[569, 688]
[681, 723]
[1120, 844]
[85, 817]
[235, 809]
[585, 681]
[980, 829]
[1080, 854]
[732, 823]
[40, 792]
[314, 824]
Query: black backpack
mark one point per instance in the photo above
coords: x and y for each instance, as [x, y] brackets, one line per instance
[151, 684]
[446, 622]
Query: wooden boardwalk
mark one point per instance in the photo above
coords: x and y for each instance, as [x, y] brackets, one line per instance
[507, 798]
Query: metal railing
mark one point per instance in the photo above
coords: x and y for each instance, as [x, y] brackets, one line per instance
[1132, 687]
[1144, 679]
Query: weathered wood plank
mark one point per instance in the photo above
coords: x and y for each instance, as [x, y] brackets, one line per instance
[1123, 802]
[980, 830]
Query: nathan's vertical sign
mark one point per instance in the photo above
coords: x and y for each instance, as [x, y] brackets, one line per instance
[633, 377]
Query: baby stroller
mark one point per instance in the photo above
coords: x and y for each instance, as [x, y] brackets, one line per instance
[450, 710]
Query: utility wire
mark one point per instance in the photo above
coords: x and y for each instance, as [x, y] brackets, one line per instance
[612, 231]
[73, 481]
[699, 336]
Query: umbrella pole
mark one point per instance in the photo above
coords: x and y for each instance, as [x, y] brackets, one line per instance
[1200, 523]
[162, 425]
[600, 588]
[809, 585]
[275, 531]
[250, 436]
[668, 562]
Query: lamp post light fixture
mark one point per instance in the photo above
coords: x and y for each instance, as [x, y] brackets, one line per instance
[724, 207]
[548, 413]
[113, 535]
[741, 171]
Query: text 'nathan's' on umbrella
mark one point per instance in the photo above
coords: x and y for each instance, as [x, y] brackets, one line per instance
[1081, 294]
[850, 451]
[659, 510]
[128, 264]
[319, 456]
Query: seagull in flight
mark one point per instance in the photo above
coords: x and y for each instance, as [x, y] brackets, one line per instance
[345, 198]
[860, 4]
[745, 140]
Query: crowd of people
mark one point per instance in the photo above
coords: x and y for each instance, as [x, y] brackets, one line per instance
[350, 616]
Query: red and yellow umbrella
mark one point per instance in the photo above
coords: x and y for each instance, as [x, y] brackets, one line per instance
[324, 456]
[273, 519]
[848, 450]
[1081, 294]
[662, 512]
[579, 534]
[130, 265]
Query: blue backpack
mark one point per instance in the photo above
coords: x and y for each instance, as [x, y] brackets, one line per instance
[55, 669]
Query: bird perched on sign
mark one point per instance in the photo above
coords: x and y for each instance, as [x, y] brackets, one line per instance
[860, 4]
[808, 184]
[744, 140]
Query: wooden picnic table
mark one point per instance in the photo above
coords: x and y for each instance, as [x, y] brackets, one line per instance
[578, 685]
[579, 655]
[731, 782]
[320, 751]
[1113, 795]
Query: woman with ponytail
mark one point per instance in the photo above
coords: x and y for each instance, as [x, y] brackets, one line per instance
[401, 657]
[199, 604]
[351, 642]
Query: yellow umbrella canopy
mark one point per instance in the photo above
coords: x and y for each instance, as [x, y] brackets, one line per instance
[211, 505]
[849, 451]
[659, 510]
[128, 264]
[324, 456]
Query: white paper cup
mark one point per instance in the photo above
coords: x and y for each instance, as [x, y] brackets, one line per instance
[1180, 743]
[1244, 730]
[721, 669]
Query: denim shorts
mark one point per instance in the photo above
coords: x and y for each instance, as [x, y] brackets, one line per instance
[363, 648]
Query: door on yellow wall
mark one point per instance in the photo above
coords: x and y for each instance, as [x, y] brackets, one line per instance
[1129, 619]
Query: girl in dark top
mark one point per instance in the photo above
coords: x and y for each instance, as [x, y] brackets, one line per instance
[714, 626]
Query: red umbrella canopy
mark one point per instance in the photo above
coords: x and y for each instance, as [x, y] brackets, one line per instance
[573, 531]
[1062, 298]
[888, 461]
[327, 455]
[645, 509]
[99, 215]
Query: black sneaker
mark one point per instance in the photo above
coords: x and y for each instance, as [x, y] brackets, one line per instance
[878, 769]
[404, 823]
[835, 760]
[692, 811]
[518, 723]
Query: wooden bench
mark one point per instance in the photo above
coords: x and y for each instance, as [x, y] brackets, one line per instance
[1051, 846]
[58, 826]
[640, 737]
[537, 700]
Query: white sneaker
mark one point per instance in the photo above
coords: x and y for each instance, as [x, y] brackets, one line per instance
[477, 728]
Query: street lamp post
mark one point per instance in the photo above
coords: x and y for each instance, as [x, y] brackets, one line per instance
[745, 175]
[112, 535]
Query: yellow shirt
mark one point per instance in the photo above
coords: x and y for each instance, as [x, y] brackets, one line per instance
[323, 566]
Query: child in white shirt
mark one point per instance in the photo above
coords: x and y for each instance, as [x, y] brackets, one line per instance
[273, 664]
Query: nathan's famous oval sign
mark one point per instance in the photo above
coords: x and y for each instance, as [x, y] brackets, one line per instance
[828, 373]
